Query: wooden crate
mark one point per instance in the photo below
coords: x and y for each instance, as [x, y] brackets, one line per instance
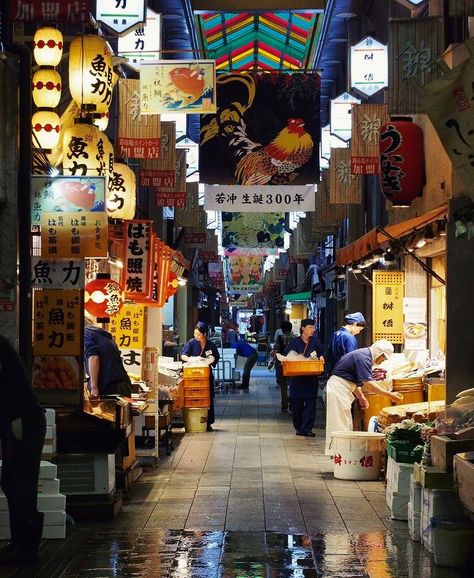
[443, 449]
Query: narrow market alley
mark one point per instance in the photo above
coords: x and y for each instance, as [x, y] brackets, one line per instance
[249, 500]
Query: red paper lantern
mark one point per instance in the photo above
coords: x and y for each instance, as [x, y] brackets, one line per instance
[401, 161]
[103, 297]
[172, 285]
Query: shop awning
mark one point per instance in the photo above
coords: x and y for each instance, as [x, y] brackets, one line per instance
[304, 296]
[375, 238]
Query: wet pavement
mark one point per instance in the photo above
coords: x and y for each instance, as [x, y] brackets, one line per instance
[249, 500]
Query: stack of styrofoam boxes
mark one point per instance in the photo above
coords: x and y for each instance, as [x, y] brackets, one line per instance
[414, 510]
[50, 501]
[434, 504]
[49, 448]
[398, 488]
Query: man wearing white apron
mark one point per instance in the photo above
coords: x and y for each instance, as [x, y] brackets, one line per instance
[350, 373]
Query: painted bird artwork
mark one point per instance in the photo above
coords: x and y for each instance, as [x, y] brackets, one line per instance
[186, 86]
[276, 162]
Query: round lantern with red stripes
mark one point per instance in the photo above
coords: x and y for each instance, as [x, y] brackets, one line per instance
[103, 297]
[401, 161]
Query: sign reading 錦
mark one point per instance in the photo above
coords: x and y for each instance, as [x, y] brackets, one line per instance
[143, 43]
[120, 15]
[387, 307]
[369, 66]
[258, 198]
[367, 119]
[64, 274]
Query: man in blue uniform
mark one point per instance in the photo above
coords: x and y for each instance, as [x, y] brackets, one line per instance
[244, 349]
[351, 372]
[304, 388]
[344, 340]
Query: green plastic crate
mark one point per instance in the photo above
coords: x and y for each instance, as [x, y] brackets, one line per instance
[404, 452]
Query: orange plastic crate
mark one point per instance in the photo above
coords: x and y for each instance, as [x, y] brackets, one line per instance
[196, 392]
[196, 382]
[310, 367]
[196, 402]
[196, 371]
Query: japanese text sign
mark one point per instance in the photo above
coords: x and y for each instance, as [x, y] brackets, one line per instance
[139, 135]
[64, 11]
[345, 187]
[143, 43]
[178, 86]
[341, 123]
[366, 122]
[128, 327]
[120, 15]
[259, 198]
[73, 235]
[136, 277]
[57, 322]
[66, 195]
[64, 274]
[369, 66]
[387, 306]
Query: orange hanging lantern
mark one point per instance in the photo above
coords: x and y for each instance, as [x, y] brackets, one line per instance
[173, 285]
[46, 86]
[46, 126]
[122, 192]
[90, 72]
[103, 297]
[48, 46]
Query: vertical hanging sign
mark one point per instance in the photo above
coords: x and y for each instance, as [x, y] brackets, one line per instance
[136, 254]
[367, 120]
[387, 306]
[120, 15]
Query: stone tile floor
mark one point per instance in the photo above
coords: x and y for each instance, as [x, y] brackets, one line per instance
[249, 500]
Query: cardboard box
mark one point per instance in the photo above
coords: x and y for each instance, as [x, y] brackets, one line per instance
[443, 449]
[464, 478]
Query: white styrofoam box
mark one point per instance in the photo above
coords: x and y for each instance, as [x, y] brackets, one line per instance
[45, 502]
[47, 470]
[50, 416]
[426, 533]
[54, 532]
[415, 494]
[48, 486]
[414, 524]
[399, 506]
[50, 432]
[441, 503]
[399, 476]
[4, 532]
[51, 518]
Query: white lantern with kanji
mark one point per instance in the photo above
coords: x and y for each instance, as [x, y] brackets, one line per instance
[122, 193]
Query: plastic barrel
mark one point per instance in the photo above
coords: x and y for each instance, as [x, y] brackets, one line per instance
[357, 455]
[195, 419]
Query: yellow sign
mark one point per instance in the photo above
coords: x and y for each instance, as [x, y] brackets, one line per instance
[57, 322]
[128, 327]
[387, 313]
[81, 234]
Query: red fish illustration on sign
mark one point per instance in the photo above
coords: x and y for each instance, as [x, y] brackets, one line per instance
[188, 85]
[79, 194]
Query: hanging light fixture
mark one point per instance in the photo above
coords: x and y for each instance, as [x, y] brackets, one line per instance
[46, 87]
[46, 126]
[122, 192]
[48, 46]
[103, 297]
[81, 156]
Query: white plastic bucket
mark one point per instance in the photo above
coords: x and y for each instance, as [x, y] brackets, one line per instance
[453, 541]
[357, 455]
[195, 419]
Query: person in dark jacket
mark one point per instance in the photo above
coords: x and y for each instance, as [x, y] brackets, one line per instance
[304, 388]
[344, 339]
[281, 342]
[244, 349]
[202, 346]
[107, 375]
[22, 431]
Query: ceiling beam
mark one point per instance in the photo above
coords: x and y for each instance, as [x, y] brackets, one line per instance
[263, 5]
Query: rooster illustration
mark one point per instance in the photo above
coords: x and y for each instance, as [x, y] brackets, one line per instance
[274, 163]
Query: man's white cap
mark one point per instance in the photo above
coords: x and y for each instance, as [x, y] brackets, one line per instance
[382, 346]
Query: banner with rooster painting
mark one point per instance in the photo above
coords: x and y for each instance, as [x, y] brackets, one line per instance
[184, 86]
[253, 231]
[244, 274]
[265, 132]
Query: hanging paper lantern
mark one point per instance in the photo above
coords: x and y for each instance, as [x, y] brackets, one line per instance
[48, 46]
[103, 122]
[46, 86]
[122, 193]
[46, 126]
[172, 285]
[103, 297]
[90, 72]
[106, 149]
[401, 161]
[81, 157]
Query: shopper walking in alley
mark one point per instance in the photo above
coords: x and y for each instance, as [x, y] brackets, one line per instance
[201, 346]
[344, 339]
[351, 372]
[281, 342]
[22, 431]
[304, 389]
[244, 349]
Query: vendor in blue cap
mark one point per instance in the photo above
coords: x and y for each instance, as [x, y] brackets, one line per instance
[304, 388]
[344, 339]
[201, 346]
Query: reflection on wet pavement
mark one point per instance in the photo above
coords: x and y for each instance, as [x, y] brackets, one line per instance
[231, 554]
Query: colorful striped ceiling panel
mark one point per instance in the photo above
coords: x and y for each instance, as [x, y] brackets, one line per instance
[271, 41]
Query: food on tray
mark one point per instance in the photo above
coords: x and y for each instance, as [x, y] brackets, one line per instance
[54, 372]
[415, 329]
